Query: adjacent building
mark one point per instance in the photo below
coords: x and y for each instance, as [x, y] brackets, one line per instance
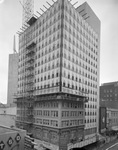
[58, 77]
[103, 119]
[109, 95]
[108, 120]
[112, 119]
[12, 78]
[7, 115]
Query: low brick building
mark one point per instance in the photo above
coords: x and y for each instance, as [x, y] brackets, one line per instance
[11, 138]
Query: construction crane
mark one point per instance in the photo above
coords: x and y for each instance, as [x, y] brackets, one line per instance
[28, 10]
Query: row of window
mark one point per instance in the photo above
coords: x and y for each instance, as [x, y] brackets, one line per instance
[68, 64]
[114, 121]
[49, 85]
[53, 85]
[72, 105]
[63, 123]
[55, 113]
[114, 114]
[54, 82]
[90, 120]
[46, 113]
[66, 74]
[91, 105]
[70, 86]
[65, 105]
[90, 113]
[66, 123]
[72, 113]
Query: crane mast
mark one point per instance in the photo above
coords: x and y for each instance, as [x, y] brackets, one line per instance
[28, 10]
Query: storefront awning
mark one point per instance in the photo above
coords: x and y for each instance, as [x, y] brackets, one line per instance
[115, 128]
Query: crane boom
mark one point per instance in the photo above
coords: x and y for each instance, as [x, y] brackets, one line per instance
[28, 10]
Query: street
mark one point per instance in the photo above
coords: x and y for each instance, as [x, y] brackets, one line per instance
[113, 147]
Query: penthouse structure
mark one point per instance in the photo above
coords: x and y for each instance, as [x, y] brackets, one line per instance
[58, 76]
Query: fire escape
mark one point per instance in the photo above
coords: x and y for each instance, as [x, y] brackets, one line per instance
[25, 100]
[29, 81]
[29, 74]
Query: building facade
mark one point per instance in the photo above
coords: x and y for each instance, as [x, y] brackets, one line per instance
[58, 76]
[112, 119]
[12, 78]
[7, 115]
[109, 95]
[108, 120]
[103, 118]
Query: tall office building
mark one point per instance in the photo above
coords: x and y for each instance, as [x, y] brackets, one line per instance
[12, 76]
[58, 76]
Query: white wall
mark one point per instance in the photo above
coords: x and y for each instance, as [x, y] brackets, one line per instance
[7, 120]
[8, 110]
[8, 116]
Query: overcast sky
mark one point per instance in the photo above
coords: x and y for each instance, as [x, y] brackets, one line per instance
[11, 22]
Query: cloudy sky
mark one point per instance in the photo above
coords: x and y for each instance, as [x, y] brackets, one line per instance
[11, 21]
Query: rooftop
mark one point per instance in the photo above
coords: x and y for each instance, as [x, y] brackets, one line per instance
[4, 130]
[109, 83]
[2, 105]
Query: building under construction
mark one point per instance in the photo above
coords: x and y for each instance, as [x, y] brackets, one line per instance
[58, 76]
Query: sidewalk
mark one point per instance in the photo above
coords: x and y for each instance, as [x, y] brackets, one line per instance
[103, 146]
[108, 144]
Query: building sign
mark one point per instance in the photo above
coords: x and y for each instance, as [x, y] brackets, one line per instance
[10, 141]
[18, 138]
[2, 145]
[102, 120]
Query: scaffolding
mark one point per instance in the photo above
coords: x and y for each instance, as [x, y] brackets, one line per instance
[29, 78]
[26, 98]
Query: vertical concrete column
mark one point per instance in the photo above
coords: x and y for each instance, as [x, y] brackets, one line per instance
[60, 110]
